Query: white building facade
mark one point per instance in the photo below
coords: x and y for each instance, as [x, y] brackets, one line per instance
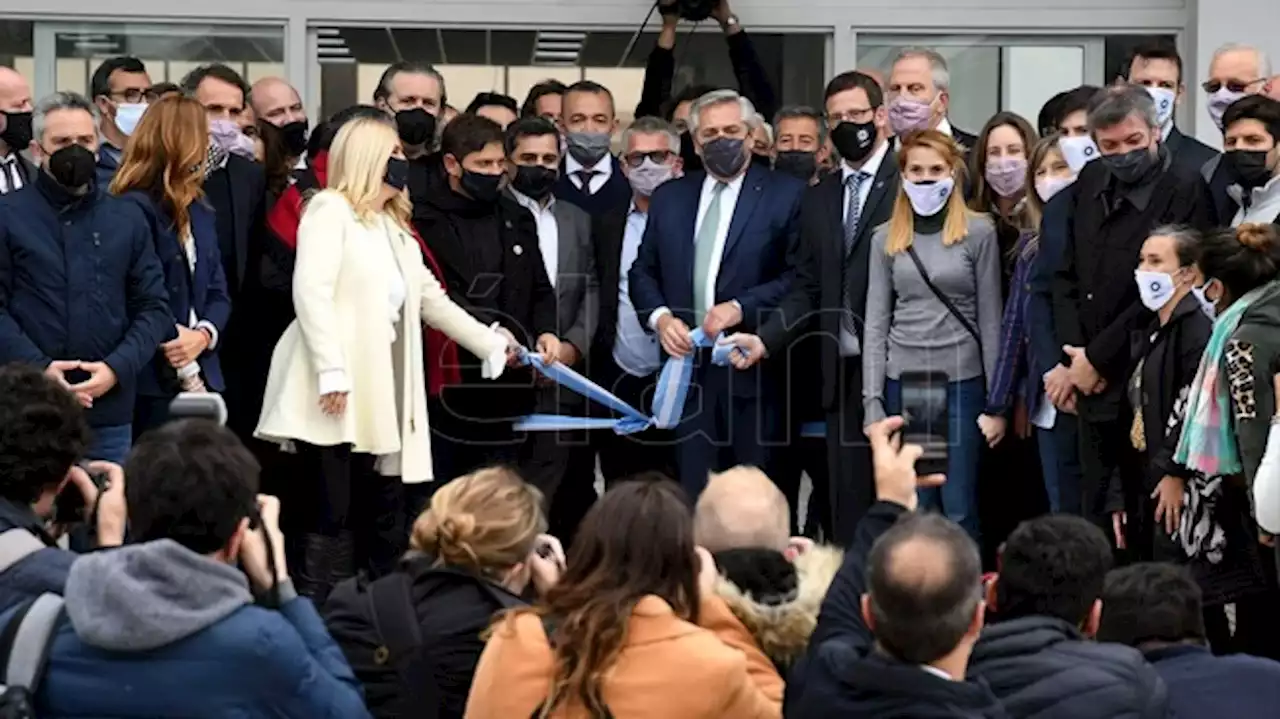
[1004, 54]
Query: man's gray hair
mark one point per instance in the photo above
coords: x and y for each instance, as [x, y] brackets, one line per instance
[410, 67]
[1264, 62]
[1115, 104]
[719, 97]
[937, 64]
[650, 125]
[796, 112]
[59, 101]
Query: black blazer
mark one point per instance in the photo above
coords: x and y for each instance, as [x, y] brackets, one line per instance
[966, 140]
[1188, 153]
[238, 194]
[1096, 302]
[29, 170]
[819, 284]
[608, 232]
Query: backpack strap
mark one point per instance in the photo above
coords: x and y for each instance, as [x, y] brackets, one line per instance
[16, 545]
[394, 617]
[25, 643]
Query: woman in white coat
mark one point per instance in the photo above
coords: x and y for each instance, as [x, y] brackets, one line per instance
[347, 387]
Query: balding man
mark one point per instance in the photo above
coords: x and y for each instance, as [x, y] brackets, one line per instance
[16, 171]
[773, 583]
[1235, 72]
[1272, 89]
[276, 101]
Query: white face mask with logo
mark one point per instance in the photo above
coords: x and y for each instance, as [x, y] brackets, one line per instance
[1078, 151]
[928, 198]
[1155, 288]
[1165, 100]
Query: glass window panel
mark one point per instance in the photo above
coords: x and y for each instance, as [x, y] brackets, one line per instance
[255, 71]
[1119, 48]
[1032, 75]
[511, 61]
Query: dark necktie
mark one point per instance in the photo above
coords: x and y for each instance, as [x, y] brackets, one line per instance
[584, 176]
[852, 219]
[12, 174]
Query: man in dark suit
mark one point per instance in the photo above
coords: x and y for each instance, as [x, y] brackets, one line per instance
[1157, 66]
[590, 177]
[919, 96]
[828, 299]
[1235, 72]
[715, 256]
[561, 464]
[236, 188]
[1132, 189]
[16, 171]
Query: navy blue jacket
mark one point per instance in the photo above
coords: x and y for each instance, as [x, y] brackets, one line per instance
[843, 674]
[205, 290]
[1202, 685]
[1044, 349]
[44, 571]
[79, 280]
[108, 163]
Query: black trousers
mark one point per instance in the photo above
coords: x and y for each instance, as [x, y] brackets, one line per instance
[623, 456]
[852, 485]
[1105, 449]
[350, 497]
[561, 465]
[460, 444]
[804, 455]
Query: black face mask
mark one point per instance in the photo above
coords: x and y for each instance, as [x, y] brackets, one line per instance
[535, 181]
[481, 188]
[761, 161]
[797, 163]
[416, 126]
[1248, 167]
[294, 136]
[72, 166]
[17, 130]
[692, 161]
[397, 173]
[854, 140]
[1130, 167]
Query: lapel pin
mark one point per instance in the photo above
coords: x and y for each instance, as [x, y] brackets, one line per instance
[518, 250]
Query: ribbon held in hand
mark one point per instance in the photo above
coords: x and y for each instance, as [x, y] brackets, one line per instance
[668, 399]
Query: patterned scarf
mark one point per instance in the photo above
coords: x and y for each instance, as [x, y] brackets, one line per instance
[215, 160]
[1208, 443]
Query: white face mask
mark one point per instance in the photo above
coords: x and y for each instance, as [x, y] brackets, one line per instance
[1207, 305]
[1220, 101]
[128, 115]
[1155, 288]
[1165, 99]
[1078, 151]
[928, 199]
[1047, 187]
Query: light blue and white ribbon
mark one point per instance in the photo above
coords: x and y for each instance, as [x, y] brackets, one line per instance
[668, 400]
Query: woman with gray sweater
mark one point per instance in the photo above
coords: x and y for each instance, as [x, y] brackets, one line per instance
[910, 327]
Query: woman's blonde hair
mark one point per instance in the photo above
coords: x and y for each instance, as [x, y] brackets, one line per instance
[902, 224]
[486, 521]
[165, 157]
[358, 164]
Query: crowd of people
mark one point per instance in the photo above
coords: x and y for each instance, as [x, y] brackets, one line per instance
[401, 516]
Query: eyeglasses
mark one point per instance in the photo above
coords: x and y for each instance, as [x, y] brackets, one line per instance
[1212, 86]
[131, 96]
[835, 118]
[636, 159]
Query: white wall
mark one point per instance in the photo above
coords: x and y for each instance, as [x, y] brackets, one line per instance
[1214, 24]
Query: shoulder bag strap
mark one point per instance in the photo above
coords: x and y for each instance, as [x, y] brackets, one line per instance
[25, 643]
[16, 545]
[395, 619]
[946, 301]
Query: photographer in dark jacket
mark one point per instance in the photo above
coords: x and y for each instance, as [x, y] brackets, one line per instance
[487, 248]
[474, 554]
[1134, 187]
[82, 294]
[42, 434]
[1036, 655]
[898, 625]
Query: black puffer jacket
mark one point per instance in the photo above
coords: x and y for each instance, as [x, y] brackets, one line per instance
[1042, 668]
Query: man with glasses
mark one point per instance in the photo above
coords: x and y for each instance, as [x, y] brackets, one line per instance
[119, 88]
[1235, 72]
[829, 295]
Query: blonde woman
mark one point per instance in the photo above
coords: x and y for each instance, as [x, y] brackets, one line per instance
[346, 386]
[933, 305]
[474, 553]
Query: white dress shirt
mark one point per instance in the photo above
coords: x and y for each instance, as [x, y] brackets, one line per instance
[603, 170]
[728, 202]
[548, 231]
[849, 345]
[11, 173]
[635, 351]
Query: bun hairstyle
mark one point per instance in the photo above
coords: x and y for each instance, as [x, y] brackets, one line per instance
[1242, 258]
[486, 521]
